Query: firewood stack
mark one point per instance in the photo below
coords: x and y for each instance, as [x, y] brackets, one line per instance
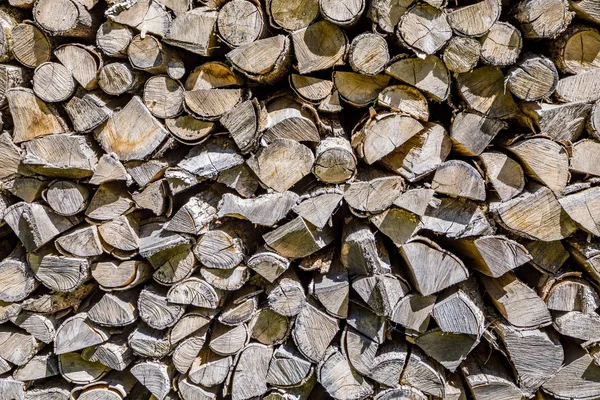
[299, 200]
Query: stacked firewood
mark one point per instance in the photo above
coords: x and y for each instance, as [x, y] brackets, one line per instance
[298, 200]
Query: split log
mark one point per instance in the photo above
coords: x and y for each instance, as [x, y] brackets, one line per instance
[483, 90]
[76, 370]
[118, 78]
[571, 294]
[87, 110]
[583, 157]
[579, 88]
[192, 291]
[501, 45]
[154, 17]
[219, 249]
[335, 161]
[405, 99]
[194, 31]
[493, 255]
[336, 365]
[16, 277]
[264, 60]
[155, 376]
[428, 75]
[461, 53]
[269, 265]
[298, 238]
[16, 346]
[360, 194]
[148, 54]
[291, 16]
[456, 218]
[357, 89]
[536, 25]
[424, 375]
[581, 207]
[361, 253]
[121, 276]
[547, 118]
[313, 343]
[76, 333]
[424, 16]
[113, 39]
[31, 47]
[457, 178]
[148, 342]
[570, 382]
[414, 312]
[64, 18]
[240, 22]
[521, 81]
[504, 173]
[156, 309]
[209, 369]
[82, 62]
[476, 19]
[250, 373]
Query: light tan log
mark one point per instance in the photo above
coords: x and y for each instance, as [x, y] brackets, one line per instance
[264, 60]
[540, 19]
[457, 178]
[76, 333]
[240, 22]
[73, 368]
[113, 39]
[194, 31]
[118, 78]
[82, 62]
[434, 21]
[414, 72]
[148, 54]
[582, 87]
[16, 277]
[155, 376]
[357, 89]
[483, 91]
[461, 54]
[559, 121]
[292, 16]
[501, 45]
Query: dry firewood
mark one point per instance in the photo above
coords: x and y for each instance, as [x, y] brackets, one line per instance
[457, 178]
[76, 333]
[471, 132]
[309, 88]
[488, 377]
[226, 279]
[209, 369]
[311, 342]
[55, 302]
[586, 9]
[460, 302]
[16, 278]
[268, 264]
[195, 216]
[189, 130]
[424, 258]
[361, 253]
[544, 160]
[188, 391]
[298, 238]
[483, 90]
[180, 180]
[357, 89]
[39, 367]
[211, 104]
[583, 155]
[419, 17]
[267, 209]
[163, 96]
[12, 388]
[382, 134]
[504, 173]
[269, 327]
[144, 15]
[401, 392]
[366, 322]
[114, 354]
[10, 156]
[244, 121]
[405, 99]
[288, 119]
[581, 207]
[155, 376]
[331, 104]
[121, 276]
[340, 13]
[532, 78]
[535, 214]
[27, 189]
[559, 121]
[360, 350]
[121, 233]
[109, 202]
[211, 157]
[386, 14]
[9, 310]
[81, 242]
[476, 19]
[501, 45]
[318, 207]
[462, 53]
[212, 75]
[82, 62]
[12, 76]
[241, 308]
[194, 291]
[578, 325]
[586, 254]
[32, 117]
[154, 197]
[286, 296]
[292, 16]
[64, 18]
[456, 218]
[31, 47]
[73, 368]
[414, 311]
[335, 161]
[66, 198]
[288, 367]
[250, 373]
[149, 342]
[579, 88]
[536, 24]
[339, 379]
[194, 31]
[220, 249]
[148, 54]
[240, 22]
[115, 309]
[117, 78]
[187, 350]
[16, 346]
[571, 294]
[380, 292]
[87, 110]
[113, 39]
[373, 191]
[576, 378]
[194, 322]
[449, 349]
[9, 18]
[428, 75]
[132, 133]
[41, 327]
[265, 60]
[368, 54]
[516, 301]
[424, 375]
[493, 255]
[155, 239]
[156, 308]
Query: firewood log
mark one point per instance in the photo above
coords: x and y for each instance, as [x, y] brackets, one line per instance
[357, 89]
[145, 15]
[155, 376]
[462, 20]
[264, 60]
[194, 31]
[292, 17]
[16, 277]
[568, 380]
[148, 54]
[250, 372]
[505, 174]
[457, 178]
[65, 18]
[118, 78]
[113, 39]
[461, 53]
[240, 22]
[438, 29]
[549, 25]
[76, 333]
[546, 118]
[361, 252]
[483, 90]
[353, 385]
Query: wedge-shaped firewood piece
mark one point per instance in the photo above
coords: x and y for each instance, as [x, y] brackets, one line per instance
[16, 278]
[383, 134]
[578, 325]
[131, 133]
[113, 39]
[493, 255]
[313, 331]
[318, 207]
[405, 99]
[209, 158]
[516, 301]
[76, 333]
[310, 88]
[115, 354]
[81, 62]
[488, 377]
[75, 369]
[196, 292]
[548, 256]
[357, 89]
[194, 216]
[36, 224]
[373, 191]
[483, 90]
[240, 179]
[330, 371]
[424, 17]
[584, 208]
[40, 326]
[535, 214]
[194, 322]
[269, 327]
[156, 309]
[194, 31]
[580, 87]
[54, 302]
[250, 373]
[584, 157]
[282, 163]
[267, 209]
[108, 169]
[268, 264]
[559, 121]
[424, 375]
[571, 293]
[298, 238]
[39, 367]
[413, 312]
[403, 391]
[456, 218]
[209, 369]
[16, 345]
[459, 302]
[520, 344]
[504, 173]
[243, 123]
[15, 389]
[154, 239]
[463, 20]
[449, 349]
[115, 309]
[578, 378]
[362, 253]
[60, 273]
[32, 117]
[188, 349]
[544, 160]
[432, 268]
[155, 376]
[220, 249]
[428, 75]
[148, 342]
[367, 322]
[360, 350]
[188, 390]
[121, 233]
[145, 15]
[381, 292]
[286, 296]
[289, 119]
[319, 46]
[112, 275]
[288, 367]
[457, 178]
[265, 60]
[10, 156]
[535, 25]
[211, 104]
[471, 132]
[10, 310]
[332, 289]
[240, 308]
[226, 279]
[174, 264]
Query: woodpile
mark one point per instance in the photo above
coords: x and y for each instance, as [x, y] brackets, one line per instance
[299, 200]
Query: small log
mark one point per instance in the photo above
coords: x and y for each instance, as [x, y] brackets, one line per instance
[148, 342]
[194, 31]
[240, 309]
[460, 302]
[64, 18]
[32, 118]
[456, 218]
[155, 198]
[586, 255]
[189, 130]
[31, 47]
[414, 311]
[113, 39]
[535, 214]
[16, 277]
[428, 75]
[318, 207]
[572, 379]
[163, 96]
[405, 99]
[7, 311]
[457, 178]
[209, 369]
[193, 324]
[109, 202]
[240, 22]
[117, 78]
[311, 342]
[571, 294]
[424, 375]
[471, 133]
[357, 89]
[501, 45]
[87, 110]
[368, 54]
[559, 121]
[250, 373]
[483, 91]
[76, 333]
[41, 327]
[288, 367]
[579, 88]
[148, 54]
[192, 291]
[187, 350]
[334, 366]
[16, 346]
[269, 265]
[82, 62]
[267, 209]
[189, 391]
[583, 209]
[424, 16]
[366, 322]
[421, 255]
[462, 53]
[298, 238]
[340, 13]
[286, 297]
[292, 17]
[380, 292]
[516, 301]
[312, 54]
[583, 155]
[288, 119]
[504, 173]
[335, 161]
[154, 239]
[212, 75]
[27, 189]
[229, 340]
[219, 249]
[493, 255]
[66, 198]
[155, 376]
[115, 309]
[449, 349]
[361, 252]
[476, 19]
[578, 325]
[12, 388]
[586, 9]
[76, 370]
[39, 367]
[194, 216]
[269, 327]
[115, 354]
[264, 60]
[309, 88]
[521, 81]
[244, 124]
[226, 279]
[211, 157]
[359, 194]
[535, 24]
[415, 201]
[156, 309]
[386, 14]
[211, 104]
